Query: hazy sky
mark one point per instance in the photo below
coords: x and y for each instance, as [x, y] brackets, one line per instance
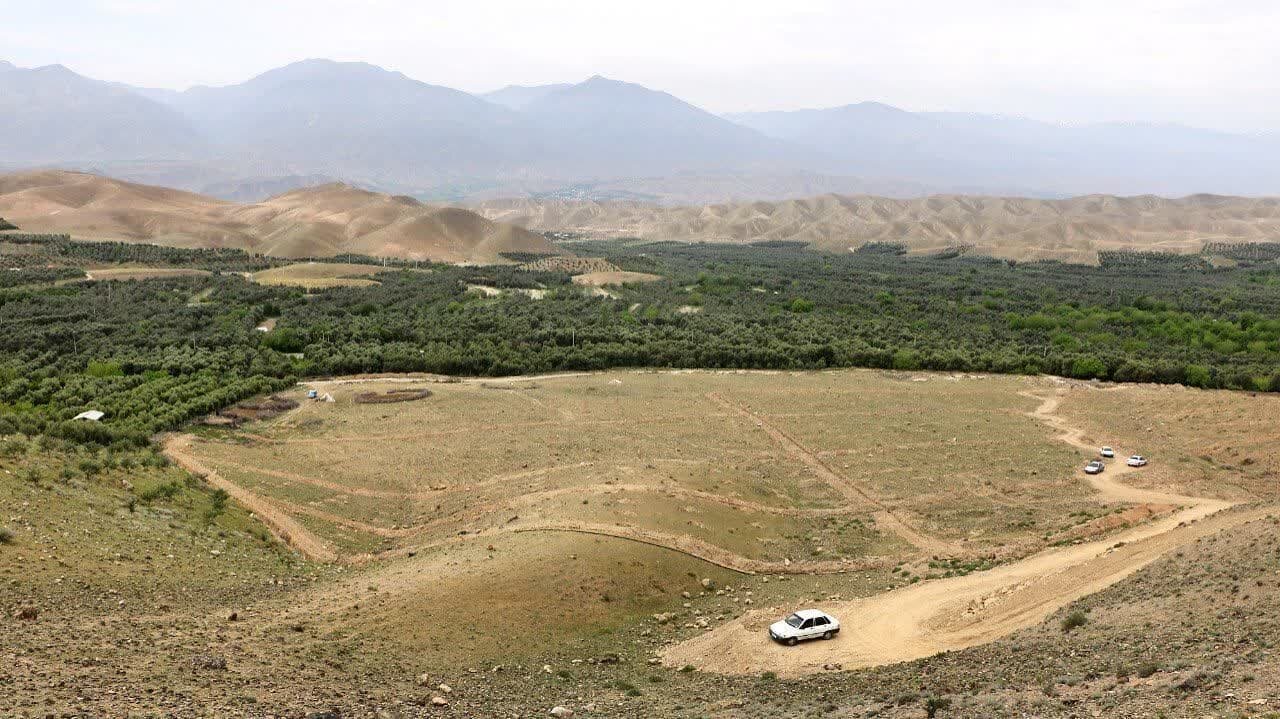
[1211, 64]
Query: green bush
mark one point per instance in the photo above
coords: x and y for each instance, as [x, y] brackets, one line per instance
[217, 505]
[168, 490]
[1074, 620]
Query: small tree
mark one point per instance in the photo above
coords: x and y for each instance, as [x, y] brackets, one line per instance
[933, 705]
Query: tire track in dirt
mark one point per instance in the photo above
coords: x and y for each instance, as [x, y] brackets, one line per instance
[952, 614]
[707, 552]
[283, 526]
[884, 516]
[513, 503]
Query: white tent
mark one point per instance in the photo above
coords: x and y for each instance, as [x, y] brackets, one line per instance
[92, 415]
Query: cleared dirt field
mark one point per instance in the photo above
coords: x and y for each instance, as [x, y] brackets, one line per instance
[601, 279]
[142, 273]
[319, 275]
[815, 468]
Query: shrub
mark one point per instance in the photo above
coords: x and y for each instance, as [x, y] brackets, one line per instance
[1076, 619]
[6, 535]
[13, 447]
[168, 490]
[933, 705]
[217, 505]
[1146, 669]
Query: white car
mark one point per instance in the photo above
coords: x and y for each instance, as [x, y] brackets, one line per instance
[1137, 460]
[1107, 452]
[804, 624]
[1094, 467]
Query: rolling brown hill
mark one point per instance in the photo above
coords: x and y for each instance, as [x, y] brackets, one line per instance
[1071, 230]
[312, 222]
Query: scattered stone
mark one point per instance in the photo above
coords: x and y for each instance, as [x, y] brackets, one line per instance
[439, 701]
[233, 616]
[331, 714]
[445, 688]
[708, 583]
[832, 667]
[209, 661]
[561, 711]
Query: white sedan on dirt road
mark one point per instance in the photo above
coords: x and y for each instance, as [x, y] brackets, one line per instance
[804, 624]
[1137, 460]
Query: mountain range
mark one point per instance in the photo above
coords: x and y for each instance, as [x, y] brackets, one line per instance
[597, 139]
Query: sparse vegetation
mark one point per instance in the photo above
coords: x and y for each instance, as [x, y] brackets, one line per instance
[1075, 619]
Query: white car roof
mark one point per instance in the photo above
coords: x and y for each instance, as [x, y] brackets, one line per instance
[810, 613]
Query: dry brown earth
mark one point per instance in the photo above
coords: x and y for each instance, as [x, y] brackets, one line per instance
[314, 222]
[1021, 228]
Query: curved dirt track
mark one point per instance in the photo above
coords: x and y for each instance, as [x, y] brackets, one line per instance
[285, 527]
[951, 614]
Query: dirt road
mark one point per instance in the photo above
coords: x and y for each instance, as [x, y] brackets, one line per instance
[950, 614]
[288, 529]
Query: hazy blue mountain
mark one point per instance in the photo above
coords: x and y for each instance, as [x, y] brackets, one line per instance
[951, 149]
[355, 120]
[518, 97]
[607, 128]
[51, 114]
[363, 124]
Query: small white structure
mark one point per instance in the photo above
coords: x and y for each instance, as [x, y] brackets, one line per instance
[92, 415]
[326, 397]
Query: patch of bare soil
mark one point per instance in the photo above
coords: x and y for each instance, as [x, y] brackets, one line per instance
[601, 279]
[392, 396]
[251, 411]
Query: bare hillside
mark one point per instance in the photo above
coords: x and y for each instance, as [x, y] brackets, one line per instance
[313, 222]
[1073, 229]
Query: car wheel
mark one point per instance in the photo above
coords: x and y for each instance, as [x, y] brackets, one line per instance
[827, 635]
[791, 641]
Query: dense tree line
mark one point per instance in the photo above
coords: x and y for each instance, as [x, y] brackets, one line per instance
[152, 359]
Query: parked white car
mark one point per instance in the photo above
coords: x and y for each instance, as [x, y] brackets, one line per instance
[1137, 460]
[804, 624]
[1107, 452]
[1094, 467]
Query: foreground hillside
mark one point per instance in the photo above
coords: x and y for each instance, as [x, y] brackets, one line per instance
[499, 548]
[321, 221]
[1073, 230]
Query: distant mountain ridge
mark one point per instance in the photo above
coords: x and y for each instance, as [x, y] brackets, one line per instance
[379, 128]
[1072, 230]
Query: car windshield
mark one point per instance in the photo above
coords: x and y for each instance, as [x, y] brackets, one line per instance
[794, 621]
